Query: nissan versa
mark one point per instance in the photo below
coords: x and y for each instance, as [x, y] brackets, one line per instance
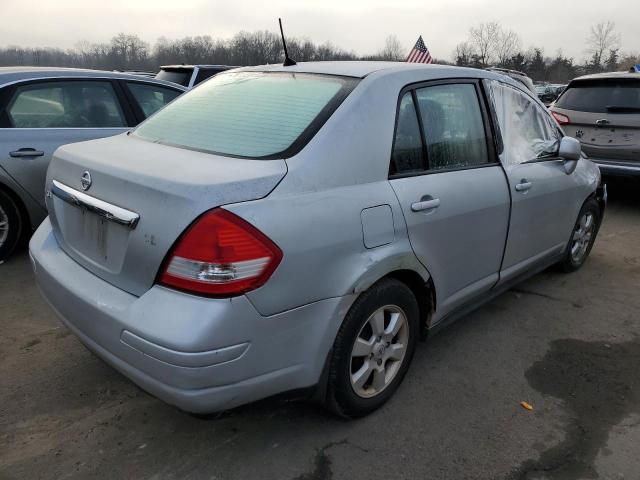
[298, 228]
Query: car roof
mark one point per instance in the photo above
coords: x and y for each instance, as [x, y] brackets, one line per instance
[596, 76]
[226, 67]
[18, 74]
[360, 69]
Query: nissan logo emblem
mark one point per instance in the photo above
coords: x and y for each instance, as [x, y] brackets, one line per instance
[85, 180]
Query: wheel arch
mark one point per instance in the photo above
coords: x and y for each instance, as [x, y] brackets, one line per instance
[418, 280]
[423, 291]
[22, 208]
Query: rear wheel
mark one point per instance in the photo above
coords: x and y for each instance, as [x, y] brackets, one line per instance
[373, 349]
[582, 237]
[10, 225]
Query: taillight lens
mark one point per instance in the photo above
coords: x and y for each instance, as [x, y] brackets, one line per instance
[220, 255]
[560, 118]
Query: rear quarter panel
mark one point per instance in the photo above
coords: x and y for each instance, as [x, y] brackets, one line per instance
[321, 236]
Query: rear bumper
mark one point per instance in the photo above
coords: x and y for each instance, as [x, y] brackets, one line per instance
[199, 354]
[617, 167]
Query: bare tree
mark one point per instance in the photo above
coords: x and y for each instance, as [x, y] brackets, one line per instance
[602, 37]
[484, 38]
[393, 50]
[508, 43]
[463, 54]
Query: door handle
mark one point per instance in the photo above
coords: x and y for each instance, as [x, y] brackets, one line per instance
[26, 152]
[427, 203]
[523, 186]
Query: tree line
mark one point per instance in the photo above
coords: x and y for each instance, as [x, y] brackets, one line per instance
[488, 44]
[129, 52]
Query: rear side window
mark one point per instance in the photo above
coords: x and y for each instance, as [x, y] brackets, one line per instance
[75, 104]
[602, 96]
[453, 126]
[407, 154]
[249, 114]
[151, 98]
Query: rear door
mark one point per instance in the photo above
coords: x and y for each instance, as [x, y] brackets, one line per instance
[604, 114]
[542, 191]
[39, 116]
[452, 190]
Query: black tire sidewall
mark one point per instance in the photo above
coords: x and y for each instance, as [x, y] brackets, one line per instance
[15, 225]
[568, 263]
[342, 399]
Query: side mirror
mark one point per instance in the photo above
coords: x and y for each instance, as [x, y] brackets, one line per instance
[569, 149]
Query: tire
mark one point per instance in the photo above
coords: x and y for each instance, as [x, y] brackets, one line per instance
[583, 235]
[11, 225]
[359, 384]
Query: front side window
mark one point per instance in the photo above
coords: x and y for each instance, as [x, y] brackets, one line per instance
[407, 146]
[70, 104]
[453, 126]
[248, 114]
[528, 132]
[151, 98]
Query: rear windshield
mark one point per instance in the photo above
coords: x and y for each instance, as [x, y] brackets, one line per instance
[602, 96]
[249, 114]
[181, 77]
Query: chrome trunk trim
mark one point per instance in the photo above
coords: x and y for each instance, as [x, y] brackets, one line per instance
[101, 208]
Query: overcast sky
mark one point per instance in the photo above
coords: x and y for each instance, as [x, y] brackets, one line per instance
[358, 25]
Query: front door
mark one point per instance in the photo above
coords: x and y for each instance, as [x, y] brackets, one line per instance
[542, 191]
[453, 193]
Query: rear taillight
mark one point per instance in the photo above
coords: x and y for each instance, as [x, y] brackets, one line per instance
[560, 118]
[220, 255]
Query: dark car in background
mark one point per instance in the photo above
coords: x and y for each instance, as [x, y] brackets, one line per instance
[44, 108]
[189, 75]
[548, 93]
[603, 112]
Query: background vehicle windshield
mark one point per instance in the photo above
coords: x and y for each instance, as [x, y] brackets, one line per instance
[179, 76]
[602, 96]
[249, 114]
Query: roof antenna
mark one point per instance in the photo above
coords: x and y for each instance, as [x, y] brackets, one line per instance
[287, 61]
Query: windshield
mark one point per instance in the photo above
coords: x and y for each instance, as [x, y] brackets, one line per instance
[249, 114]
[602, 96]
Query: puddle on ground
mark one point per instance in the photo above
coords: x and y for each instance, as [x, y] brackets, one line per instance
[599, 384]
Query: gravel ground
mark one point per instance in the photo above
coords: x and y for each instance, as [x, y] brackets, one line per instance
[567, 344]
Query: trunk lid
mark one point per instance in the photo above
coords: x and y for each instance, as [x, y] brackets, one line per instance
[166, 187]
[613, 137]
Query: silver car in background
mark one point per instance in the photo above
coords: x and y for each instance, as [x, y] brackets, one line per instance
[285, 228]
[602, 111]
[42, 108]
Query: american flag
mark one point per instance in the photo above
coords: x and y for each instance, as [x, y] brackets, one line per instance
[420, 53]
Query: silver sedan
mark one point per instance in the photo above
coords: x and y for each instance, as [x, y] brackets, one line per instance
[298, 228]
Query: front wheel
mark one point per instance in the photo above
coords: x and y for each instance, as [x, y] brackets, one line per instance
[582, 237]
[373, 349]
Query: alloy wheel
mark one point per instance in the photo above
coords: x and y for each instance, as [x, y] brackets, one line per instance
[378, 351]
[4, 226]
[581, 238]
